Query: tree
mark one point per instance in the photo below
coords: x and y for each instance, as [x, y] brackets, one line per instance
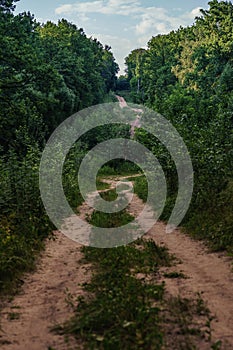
[7, 6]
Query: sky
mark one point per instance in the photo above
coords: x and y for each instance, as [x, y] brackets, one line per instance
[124, 25]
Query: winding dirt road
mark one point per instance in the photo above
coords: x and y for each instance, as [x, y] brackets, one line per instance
[41, 303]
[27, 319]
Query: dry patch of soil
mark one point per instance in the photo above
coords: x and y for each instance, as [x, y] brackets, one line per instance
[27, 320]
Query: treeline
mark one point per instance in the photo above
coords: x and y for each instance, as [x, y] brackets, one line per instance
[187, 76]
[47, 72]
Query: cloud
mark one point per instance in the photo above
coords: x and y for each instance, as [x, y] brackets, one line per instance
[149, 18]
[64, 9]
[196, 12]
[156, 21]
[143, 21]
[82, 7]
[116, 7]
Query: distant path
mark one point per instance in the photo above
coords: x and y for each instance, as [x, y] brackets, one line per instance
[136, 124]
[122, 101]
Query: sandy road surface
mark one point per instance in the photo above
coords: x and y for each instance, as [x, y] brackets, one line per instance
[41, 303]
[208, 273]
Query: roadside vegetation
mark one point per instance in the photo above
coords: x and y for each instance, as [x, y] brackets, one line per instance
[187, 76]
[47, 73]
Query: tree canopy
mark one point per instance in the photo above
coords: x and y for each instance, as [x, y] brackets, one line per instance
[187, 75]
[47, 72]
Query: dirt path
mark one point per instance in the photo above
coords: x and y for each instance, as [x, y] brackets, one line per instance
[121, 101]
[41, 303]
[207, 273]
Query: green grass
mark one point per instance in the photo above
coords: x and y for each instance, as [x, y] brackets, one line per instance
[110, 220]
[18, 255]
[126, 94]
[140, 187]
[100, 219]
[187, 320]
[174, 274]
[120, 168]
[214, 222]
[13, 316]
[110, 97]
[110, 195]
[121, 312]
[101, 185]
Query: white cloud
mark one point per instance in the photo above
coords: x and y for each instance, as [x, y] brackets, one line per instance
[189, 17]
[116, 7]
[149, 18]
[116, 3]
[64, 9]
[83, 17]
[157, 21]
[82, 7]
[154, 19]
[144, 22]
[196, 12]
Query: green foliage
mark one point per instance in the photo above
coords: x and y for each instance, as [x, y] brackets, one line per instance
[79, 72]
[101, 185]
[186, 75]
[174, 274]
[107, 220]
[23, 222]
[122, 83]
[47, 72]
[215, 221]
[119, 167]
[140, 187]
[70, 175]
[7, 5]
[109, 196]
